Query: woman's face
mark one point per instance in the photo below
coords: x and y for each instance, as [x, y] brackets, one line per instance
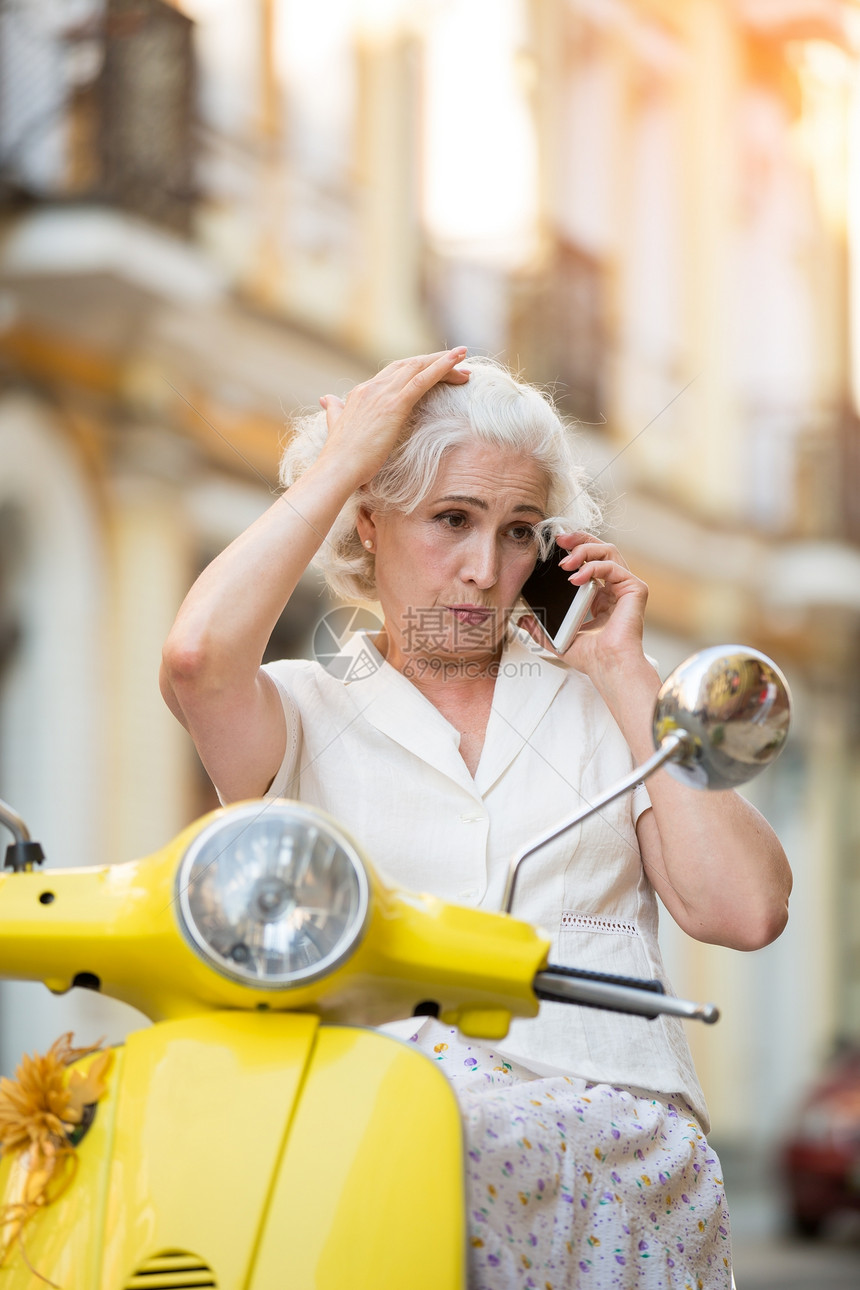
[449, 573]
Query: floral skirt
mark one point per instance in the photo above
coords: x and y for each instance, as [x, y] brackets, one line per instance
[574, 1184]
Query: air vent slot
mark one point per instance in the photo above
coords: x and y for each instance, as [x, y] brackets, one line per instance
[172, 1270]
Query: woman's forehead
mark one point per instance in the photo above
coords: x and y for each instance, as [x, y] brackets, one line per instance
[483, 473]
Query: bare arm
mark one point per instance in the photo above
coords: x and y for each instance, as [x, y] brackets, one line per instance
[716, 863]
[211, 676]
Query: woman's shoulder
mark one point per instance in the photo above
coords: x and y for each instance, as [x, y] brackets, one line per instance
[325, 683]
[287, 669]
[299, 677]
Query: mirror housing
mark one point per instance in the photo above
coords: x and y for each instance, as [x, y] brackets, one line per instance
[734, 706]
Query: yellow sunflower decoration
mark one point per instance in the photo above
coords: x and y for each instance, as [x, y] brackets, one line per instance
[40, 1111]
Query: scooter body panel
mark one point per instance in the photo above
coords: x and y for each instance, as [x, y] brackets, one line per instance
[180, 1157]
[244, 1152]
[203, 1109]
[370, 1192]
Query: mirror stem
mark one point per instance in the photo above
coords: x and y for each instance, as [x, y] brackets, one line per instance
[674, 744]
[14, 823]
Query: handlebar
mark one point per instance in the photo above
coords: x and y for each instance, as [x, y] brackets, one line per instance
[617, 994]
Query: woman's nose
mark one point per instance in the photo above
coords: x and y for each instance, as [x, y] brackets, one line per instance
[481, 567]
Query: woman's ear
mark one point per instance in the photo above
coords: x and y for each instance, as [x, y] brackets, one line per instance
[366, 529]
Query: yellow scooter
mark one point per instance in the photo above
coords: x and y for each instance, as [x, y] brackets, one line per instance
[259, 1134]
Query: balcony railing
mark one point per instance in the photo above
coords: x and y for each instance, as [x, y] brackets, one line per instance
[99, 111]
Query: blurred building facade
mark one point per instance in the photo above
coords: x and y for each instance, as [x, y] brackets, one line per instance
[214, 211]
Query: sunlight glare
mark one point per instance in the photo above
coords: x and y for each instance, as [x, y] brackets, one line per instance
[481, 164]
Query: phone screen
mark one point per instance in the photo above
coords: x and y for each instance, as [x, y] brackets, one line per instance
[559, 606]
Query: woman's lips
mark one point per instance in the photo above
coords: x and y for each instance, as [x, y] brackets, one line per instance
[470, 614]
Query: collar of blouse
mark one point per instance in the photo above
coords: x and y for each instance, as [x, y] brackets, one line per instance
[527, 682]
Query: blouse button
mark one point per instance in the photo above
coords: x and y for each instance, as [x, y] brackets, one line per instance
[471, 819]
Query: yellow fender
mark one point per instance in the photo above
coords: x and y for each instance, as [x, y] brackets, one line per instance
[247, 1153]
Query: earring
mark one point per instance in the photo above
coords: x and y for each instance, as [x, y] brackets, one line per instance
[368, 544]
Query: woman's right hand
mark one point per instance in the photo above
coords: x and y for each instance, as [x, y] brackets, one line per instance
[365, 427]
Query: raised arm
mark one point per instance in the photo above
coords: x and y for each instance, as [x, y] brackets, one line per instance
[211, 676]
[714, 860]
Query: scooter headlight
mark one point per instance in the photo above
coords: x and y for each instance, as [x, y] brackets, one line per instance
[273, 895]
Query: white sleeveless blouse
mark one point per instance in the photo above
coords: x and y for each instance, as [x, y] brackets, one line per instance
[375, 754]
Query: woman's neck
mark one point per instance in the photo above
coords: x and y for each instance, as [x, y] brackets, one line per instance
[460, 689]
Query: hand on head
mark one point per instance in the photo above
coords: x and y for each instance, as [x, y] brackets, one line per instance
[369, 422]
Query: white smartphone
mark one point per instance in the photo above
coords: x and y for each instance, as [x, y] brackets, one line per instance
[559, 606]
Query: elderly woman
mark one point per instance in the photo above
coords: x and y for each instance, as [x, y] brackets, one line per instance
[431, 491]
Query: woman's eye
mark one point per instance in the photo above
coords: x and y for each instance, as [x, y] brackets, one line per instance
[522, 533]
[452, 519]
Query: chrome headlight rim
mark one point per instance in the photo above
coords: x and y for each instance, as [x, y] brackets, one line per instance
[251, 812]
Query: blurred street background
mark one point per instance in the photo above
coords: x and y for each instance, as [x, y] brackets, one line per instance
[214, 211]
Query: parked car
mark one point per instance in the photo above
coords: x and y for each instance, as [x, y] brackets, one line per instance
[820, 1158]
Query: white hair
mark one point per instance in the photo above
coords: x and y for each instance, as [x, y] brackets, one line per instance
[491, 408]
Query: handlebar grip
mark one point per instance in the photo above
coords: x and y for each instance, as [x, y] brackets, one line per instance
[582, 974]
[642, 998]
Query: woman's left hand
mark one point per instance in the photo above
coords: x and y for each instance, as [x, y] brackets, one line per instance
[614, 631]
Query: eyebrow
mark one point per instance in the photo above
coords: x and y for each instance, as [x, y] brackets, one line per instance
[484, 506]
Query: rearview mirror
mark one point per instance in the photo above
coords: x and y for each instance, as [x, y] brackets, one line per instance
[734, 706]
